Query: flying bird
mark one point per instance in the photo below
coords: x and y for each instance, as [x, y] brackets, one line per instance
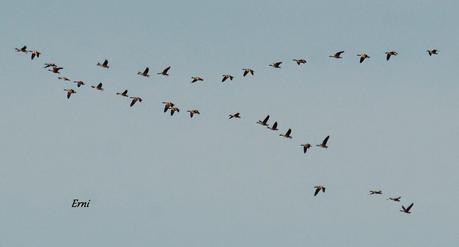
[226, 77]
[144, 73]
[389, 54]
[264, 122]
[300, 61]
[235, 115]
[196, 78]
[247, 71]
[432, 52]
[276, 65]
[55, 69]
[274, 127]
[375, 192]
[193, 112]
[305, 147]
[35, 54]
[168, 105]
[69, 91]
[406, 210]
[134, 100]
[124, 93]
[337, 55]
[324, 143]
[98, 87]
[395, 199]
[47, 65]
[104, 64]
[363, 56]
[287, 134]
[63, 78]
[165, 71]
[22, 49]
[318, 189]
[79, 83]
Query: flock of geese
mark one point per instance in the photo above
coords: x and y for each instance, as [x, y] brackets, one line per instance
[172, 108]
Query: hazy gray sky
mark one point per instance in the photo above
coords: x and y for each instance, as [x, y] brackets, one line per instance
[156, 180]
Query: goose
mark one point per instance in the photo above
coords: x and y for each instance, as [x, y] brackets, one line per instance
[274, 127]
[124, 93]
[235, 115]
[318, 189]
[375, 192]
[337, 55]
[432, 52]
[324, 143]
[193, 112]
[55, 69]
[98, 87]
[63, 78]
[174, 109]
[144, 73]
[300, 61]
[168, 105]
[407, 210]
[79, 83]
[196, 78]
[22, 49]
[226, 77]
[247, 71]
[134, 100]
[35, 54]
[165, 71]
[363, 56]
[395, 199]
[276, 65]
[390, 53]
[47, 65]
[305, 147]
[287, 134]
[104, 64]
[69, 91]
[264, 122]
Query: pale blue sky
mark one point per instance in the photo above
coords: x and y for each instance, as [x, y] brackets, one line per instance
[154, 180]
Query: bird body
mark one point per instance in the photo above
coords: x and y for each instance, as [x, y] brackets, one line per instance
[98, 87]
[144, 73]
[407, 210]
[324, 143]
[287, 134]
[22, 49]
[264, 122]
[69, 91]
[226, 77]
[34, 54]
[196, 78]
[274, 127]
[276, 65]
[104, 64]
[165, 71]
[432, 52]
[300, 61]
[124, 93]
[337, 55]
[305, 147]
[247, 71]
[363, 56]
[235, 115]
[318, 188]
[193, 112]
[134, 100]
[79, 83]
[395, 199]
[375, 192]
[55, 69]
[390, 53]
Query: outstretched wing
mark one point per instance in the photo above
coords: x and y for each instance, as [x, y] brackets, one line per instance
[324, 143]
[289, 131]
[317, 191]
[266, 119]
[133, 101]
[166, 70]
[274, 125]
[409, 207]
[388, 56]
[105, 62]
[146, 70]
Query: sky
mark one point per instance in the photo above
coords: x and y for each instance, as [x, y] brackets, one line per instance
[169, 181]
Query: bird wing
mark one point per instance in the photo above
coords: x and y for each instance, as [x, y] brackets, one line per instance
[133, 101]
[105, 62]
[125, 92]
[388, 56]
[224, 78]
[325, 140]
[146, 70]
[274, 125]
[409, 207]
[69, 94]
[289, 131]
[99, 86]
[305, 149]
[245, 72]
[266, 119]
[317, 191]
[362, 58]
[166, 70]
